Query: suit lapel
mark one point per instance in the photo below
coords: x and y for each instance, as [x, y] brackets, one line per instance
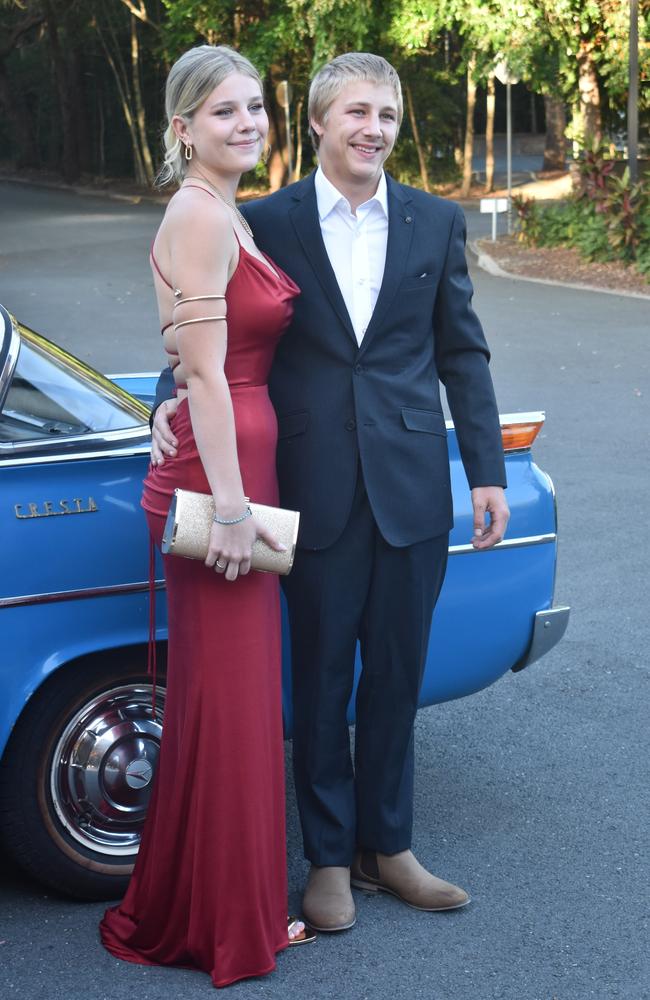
[400, 234]
[304, 216]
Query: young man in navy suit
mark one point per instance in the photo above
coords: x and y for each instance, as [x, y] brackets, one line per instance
[384, 316]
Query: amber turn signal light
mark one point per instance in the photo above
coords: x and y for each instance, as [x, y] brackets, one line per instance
[520, 434]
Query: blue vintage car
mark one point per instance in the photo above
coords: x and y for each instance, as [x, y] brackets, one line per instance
[78, 734]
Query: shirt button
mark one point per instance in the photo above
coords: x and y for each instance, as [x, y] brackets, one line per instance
[351, 425]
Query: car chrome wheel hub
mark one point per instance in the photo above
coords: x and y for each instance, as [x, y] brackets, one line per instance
[139, 773]
[103, 767]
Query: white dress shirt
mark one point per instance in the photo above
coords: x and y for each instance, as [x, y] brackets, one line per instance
[356, 246]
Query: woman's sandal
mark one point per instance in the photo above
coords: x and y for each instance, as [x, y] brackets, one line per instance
[305, 936]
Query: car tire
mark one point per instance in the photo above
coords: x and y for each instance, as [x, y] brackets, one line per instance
[76, 776]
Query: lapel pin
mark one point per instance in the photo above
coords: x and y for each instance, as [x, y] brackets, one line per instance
[408, 218]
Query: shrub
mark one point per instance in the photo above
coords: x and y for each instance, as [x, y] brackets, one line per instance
[607, 219]
[627, 209]
[528, 212]
[595, 171]
[589, 233]
[642, 262]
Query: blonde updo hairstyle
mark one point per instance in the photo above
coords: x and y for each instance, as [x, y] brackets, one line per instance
[191, 80]
[337, 74]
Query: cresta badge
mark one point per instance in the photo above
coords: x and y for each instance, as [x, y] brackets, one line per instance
[52, 508]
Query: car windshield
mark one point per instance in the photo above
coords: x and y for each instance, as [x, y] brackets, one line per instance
[52, 393]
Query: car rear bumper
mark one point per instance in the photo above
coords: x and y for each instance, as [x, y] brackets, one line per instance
[548, 628]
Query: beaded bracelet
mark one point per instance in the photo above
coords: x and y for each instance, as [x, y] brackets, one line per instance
[235, 520]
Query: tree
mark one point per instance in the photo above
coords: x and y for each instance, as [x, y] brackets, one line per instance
[50, 24]
[285, 39]
[483, 28]
[489, 134]
[113, 27]
[468, 152]
[14, 32]
[578, 55]
[106, 61]
[555, 145]
[424, 173]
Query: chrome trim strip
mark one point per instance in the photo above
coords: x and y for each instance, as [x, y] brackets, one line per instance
[530, 417]
[127, 588]
[90, 376]
[77, 456]
[95, 437]
[554, 496]
[74, 595]
[11, 358]
[155, 375]
[507, 543]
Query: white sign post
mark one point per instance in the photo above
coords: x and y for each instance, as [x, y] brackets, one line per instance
[494, 205]
[504, 76]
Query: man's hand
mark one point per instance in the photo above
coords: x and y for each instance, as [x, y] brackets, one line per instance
[163, 441]
[489, 500]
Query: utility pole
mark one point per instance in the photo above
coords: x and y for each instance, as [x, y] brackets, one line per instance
[633, 94]
[506, 77]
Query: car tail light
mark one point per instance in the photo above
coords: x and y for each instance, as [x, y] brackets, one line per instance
[519, 430]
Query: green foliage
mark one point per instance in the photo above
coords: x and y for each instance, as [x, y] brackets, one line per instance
[439, 113]
[332, 26]
[624, 207]
[573, 224]
[627, 213]
[528, 219]
[596, 169]
[544, 41]
[589, 233]
[642, 262]
[429, 41]
[608, 218]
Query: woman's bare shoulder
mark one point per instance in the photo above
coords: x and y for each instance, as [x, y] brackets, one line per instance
[196, 218]
[195, 203]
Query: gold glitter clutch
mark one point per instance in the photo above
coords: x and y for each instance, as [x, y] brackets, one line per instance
[187, 531]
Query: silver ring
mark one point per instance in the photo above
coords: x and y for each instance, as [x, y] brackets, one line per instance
[218, 565]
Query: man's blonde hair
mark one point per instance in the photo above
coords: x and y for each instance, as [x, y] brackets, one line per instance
[335, 75]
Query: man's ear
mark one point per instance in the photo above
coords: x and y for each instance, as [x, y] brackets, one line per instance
[316, 126]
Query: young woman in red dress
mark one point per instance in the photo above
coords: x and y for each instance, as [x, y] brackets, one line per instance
[209, 890]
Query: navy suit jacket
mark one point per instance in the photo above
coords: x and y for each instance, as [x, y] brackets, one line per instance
[339, 403]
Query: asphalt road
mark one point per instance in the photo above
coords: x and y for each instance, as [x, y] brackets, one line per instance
[532, 794]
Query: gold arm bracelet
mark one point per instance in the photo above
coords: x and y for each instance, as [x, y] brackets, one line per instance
[197, 298]
[200, 319]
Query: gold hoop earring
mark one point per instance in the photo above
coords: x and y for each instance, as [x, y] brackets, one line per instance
[266, 152]
[188, 152]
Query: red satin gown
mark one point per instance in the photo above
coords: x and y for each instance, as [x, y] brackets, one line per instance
[209, 889]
